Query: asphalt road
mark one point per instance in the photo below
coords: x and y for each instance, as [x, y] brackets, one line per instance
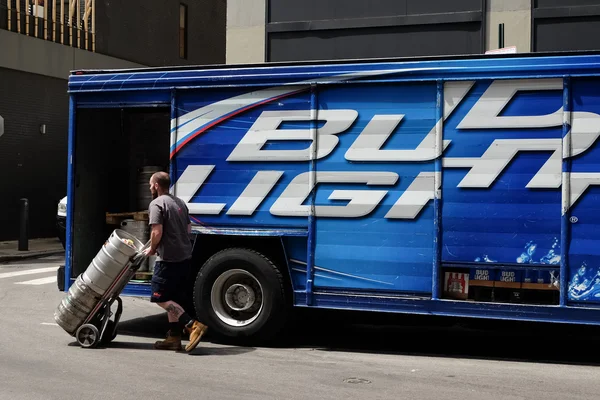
[325, 356]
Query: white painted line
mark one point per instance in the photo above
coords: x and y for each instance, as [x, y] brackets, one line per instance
[27, 272]
[49, 323]
[41, 281]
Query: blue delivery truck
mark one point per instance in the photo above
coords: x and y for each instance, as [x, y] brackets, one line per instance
[464, 186]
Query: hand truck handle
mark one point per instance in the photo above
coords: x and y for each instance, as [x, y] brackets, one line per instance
[147, 245]
[140, 254]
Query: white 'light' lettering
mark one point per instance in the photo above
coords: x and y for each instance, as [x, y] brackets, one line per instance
[255, 193]
[188, 185]
[361, 202]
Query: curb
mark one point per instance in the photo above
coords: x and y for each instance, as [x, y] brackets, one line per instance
[37, 254]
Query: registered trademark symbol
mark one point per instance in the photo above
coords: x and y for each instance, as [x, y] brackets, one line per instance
[574, 220]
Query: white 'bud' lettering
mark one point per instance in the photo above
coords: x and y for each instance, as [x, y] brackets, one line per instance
[265, 128]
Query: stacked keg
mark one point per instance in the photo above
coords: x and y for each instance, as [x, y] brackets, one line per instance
[144, 196]
[141, 230]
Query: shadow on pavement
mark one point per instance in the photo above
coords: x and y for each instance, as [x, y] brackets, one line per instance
[220, 351]
[153, 326]
[198, 351]
[29, 262]
[333, 331]
[119, 345]
[443, 337]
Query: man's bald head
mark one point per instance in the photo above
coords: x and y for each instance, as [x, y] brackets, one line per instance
[162, 179]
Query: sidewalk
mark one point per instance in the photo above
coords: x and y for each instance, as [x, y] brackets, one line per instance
[37, 248]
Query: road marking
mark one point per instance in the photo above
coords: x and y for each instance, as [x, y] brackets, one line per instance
[27, 272]
[41, 281]
[49, 323]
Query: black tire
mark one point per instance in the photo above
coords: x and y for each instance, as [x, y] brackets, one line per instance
[87, 336]
[272, 316]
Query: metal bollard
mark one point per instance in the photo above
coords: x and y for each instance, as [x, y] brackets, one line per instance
[24, 226]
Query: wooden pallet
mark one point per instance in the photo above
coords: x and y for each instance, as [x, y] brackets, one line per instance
[117, 218]
[142, 276]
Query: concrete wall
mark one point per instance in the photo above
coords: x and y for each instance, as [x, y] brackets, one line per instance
[33, 91]
[37, 56]
[516, 17]
[147, 31]
[33, 165]
[246, 24]
[350, 29]
[247, 27]
[566, 25]
[380, 42]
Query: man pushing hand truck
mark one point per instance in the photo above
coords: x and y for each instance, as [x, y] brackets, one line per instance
[170, 240]
[86, 310]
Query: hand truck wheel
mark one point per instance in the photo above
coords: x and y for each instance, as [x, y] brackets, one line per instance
[87, 336]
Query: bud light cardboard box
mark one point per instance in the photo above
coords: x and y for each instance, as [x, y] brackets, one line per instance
[530, 276]
[456, 285]
[509, 276]
[548, 277]
[540, 276]
[483, 275]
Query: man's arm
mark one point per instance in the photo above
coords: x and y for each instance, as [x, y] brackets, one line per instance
[156, 225]
[155, 236]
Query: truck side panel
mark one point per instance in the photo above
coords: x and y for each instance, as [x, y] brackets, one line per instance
[584, 214]
[382, 240]
[220, 170]
[242, 158]
[502, 174]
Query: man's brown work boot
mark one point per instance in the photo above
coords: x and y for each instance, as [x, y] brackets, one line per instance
[170, 343]
[196, 330]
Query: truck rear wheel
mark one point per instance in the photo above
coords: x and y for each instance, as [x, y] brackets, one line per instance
[240, 293]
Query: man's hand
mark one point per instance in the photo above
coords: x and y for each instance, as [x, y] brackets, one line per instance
[149, 252]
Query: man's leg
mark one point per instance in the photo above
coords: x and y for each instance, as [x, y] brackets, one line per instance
[193, 327]
[174, 326]
[167, 282]
[161, 284]
[178, 316]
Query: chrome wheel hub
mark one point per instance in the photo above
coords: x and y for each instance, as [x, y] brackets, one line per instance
[237, 297]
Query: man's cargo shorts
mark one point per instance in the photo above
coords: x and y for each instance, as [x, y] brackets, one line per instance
[169, 281]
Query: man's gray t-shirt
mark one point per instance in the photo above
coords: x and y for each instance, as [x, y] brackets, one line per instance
[173, 214]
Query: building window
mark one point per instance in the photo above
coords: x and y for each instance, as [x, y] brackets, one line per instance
[182, 31]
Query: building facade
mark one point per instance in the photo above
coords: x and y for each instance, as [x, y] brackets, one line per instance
[288, 30]
[40, 43]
